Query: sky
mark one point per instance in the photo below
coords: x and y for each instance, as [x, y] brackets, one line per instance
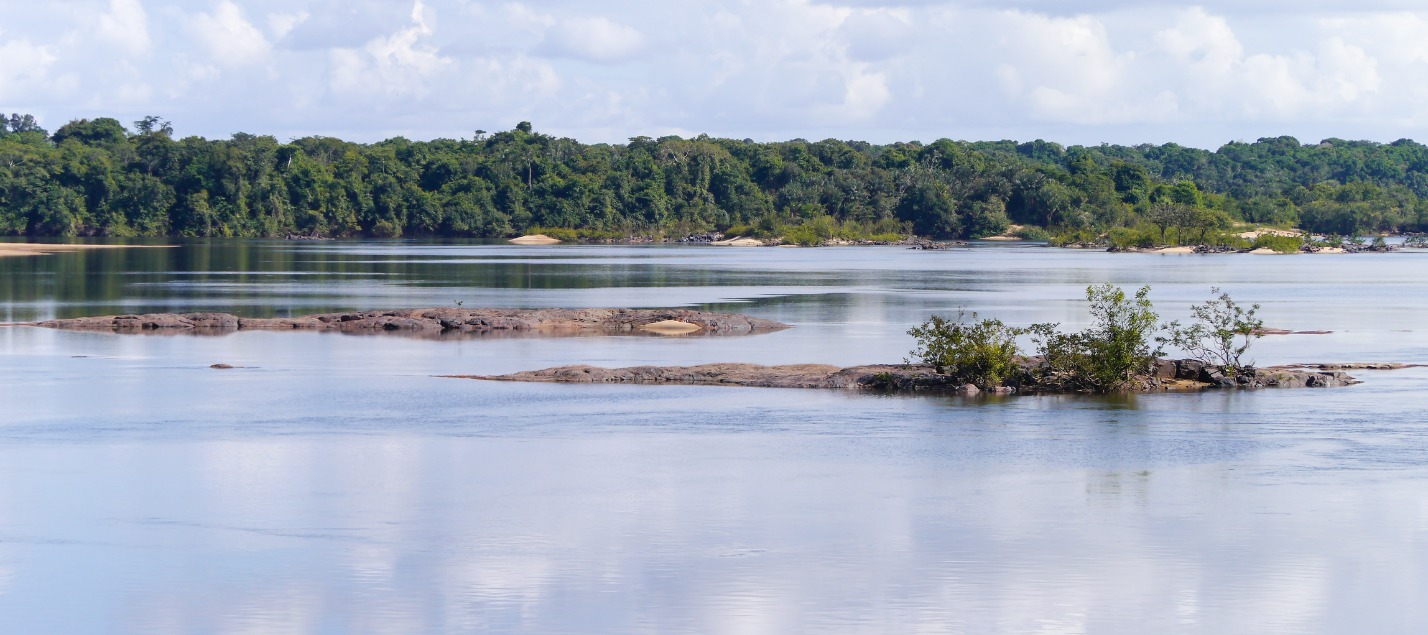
[1071, 71]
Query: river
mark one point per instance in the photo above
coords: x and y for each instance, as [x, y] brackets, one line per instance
[332, 484]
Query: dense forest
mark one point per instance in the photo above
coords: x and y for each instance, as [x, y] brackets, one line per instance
[99, 178]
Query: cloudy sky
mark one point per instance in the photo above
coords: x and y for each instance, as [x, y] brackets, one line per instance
[1085, 71]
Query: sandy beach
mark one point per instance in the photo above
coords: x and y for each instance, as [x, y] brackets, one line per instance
[739, 242]
[535, 239]
[1267, 231]
[36, 249]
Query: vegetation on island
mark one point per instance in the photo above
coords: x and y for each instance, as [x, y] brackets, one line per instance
[1123, 341]
[97, 177]
[982, 352]
[1220, 335]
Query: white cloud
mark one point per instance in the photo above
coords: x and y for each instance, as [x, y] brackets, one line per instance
[1347, 74]
[1068, 67]
[281, 24]
[25, 64]
[230, 39]
[396, 64]
[126, 24]
[864, 94]
[878, 34]
[596, 39]
[1111, 70]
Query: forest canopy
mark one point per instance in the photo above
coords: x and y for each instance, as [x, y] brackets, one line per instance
[101, 178]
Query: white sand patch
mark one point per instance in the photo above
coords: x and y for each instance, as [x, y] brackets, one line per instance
[534, 239]
[670, 327]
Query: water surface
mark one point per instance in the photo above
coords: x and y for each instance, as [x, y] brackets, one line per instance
[335, 486]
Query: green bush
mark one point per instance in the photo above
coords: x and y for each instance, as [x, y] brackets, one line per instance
[1131, 238]
[1281, 244]
[1106, 356]
[738, 229]
[1031, 232]
[822, 228]
[563, 234]
[1226, 238]
[801, 235]
[979, 352]
[1075, 237]
[566, 234]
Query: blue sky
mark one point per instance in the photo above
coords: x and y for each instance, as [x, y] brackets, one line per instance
[1074, 72]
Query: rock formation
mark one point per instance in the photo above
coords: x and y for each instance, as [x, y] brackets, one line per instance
[442, 321]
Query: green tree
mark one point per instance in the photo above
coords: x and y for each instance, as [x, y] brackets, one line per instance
[103, 132]
[1222, 333]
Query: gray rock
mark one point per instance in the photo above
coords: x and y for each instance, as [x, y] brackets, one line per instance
[1164, 369]
[1189, 369]
[436, 322]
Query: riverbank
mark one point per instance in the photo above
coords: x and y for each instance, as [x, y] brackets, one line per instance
[1166, 376]
[441, 321]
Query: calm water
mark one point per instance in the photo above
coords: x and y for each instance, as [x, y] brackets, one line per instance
[335, 486]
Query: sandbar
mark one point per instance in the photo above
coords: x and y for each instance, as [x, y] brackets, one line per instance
[739, 242]
[45, 249]
[535, 239]
[671, 327]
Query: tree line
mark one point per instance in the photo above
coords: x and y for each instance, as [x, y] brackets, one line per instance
[100, 178]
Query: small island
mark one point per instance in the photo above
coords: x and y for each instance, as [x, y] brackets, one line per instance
[440, 322]
[1119, 353]
[1166, 375]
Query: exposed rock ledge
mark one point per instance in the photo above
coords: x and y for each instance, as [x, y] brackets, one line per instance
[443, 321]
[1169, 375]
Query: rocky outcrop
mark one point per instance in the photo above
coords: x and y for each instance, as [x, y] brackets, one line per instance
[1167, 375]
[882, 377]
[701, 239]
[1352, 366]
[439, 321]
[932, 245]
[1167, 371]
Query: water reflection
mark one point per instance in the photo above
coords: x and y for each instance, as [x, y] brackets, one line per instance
[630, 535]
